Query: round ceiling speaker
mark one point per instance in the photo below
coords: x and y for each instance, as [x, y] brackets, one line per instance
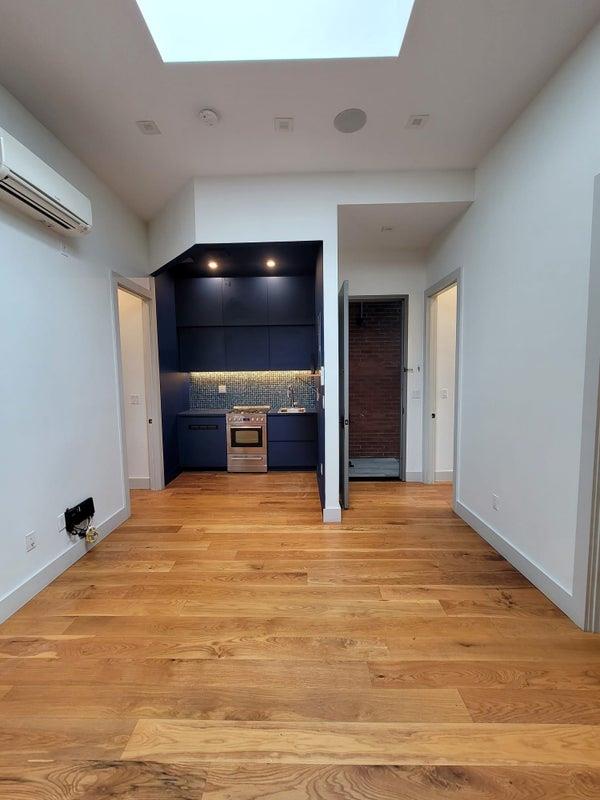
[350, 120]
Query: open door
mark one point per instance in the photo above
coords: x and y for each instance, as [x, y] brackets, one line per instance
[344, 395]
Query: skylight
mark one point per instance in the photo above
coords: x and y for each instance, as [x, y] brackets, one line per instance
[269, 30]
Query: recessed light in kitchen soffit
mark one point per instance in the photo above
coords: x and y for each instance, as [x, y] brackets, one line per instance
[276, 30]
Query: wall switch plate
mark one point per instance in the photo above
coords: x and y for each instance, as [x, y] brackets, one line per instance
[443, 394]
[222, 388]
[60, 522]
[495, 502]
[134, 399]
[416, 394]
[30, 541]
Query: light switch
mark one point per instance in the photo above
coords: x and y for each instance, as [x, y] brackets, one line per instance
[134, 399]
[222, 388]
[416, 394]
[444, 394]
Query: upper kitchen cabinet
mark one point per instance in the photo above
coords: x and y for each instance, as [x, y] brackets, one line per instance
[199, 301]
[291, 300]
[202, 349]
[291, 347]
[247, 348]
[245, 301]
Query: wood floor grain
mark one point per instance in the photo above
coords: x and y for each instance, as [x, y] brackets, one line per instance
[223, 644]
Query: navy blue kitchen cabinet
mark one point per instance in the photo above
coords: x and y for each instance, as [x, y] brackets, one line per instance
[245, 301]
[199, 301]
[291, 300]
[202, 442]
[291, 346]
[247, 348]
[202, 349]
[292, 441]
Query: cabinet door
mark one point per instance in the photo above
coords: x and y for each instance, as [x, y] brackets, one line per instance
[245, 301]
[202, 442]
[199, 301]
[292, 428]
[291, 300]
[247, 348]
[291, 346]
[202, 349]
[292, 455]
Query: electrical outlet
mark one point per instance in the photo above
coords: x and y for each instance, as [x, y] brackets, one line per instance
[222, 388]
[60, 522]
[30, 541]
[495, 502]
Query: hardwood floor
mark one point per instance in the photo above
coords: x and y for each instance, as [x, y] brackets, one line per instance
[224, 645]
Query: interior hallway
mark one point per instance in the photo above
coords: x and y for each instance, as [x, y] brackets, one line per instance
[251, 652]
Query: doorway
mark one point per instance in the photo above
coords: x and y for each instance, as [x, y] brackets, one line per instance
[135, 326]
[441, 390]
[377, 387]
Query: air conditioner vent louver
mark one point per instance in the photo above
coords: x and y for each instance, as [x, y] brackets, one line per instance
[31, 185]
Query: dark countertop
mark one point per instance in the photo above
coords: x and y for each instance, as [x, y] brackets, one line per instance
[221, 412]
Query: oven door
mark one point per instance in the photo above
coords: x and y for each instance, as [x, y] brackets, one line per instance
[242, 438]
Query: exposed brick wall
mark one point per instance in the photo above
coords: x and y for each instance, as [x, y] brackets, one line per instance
[375, 379]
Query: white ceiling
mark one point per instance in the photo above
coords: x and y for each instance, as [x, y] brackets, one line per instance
[415, 225]
[88, 69]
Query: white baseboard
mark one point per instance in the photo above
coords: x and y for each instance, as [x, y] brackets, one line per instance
[414, 477]
[332, 515]
[532, 571]
[139, 483]
[444, 476]
[17, 598]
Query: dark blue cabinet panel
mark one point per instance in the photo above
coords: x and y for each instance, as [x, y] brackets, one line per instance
[292, 428]
[245, 301]
[292, 455]
[247, 348]
[291, 300]
[291, 346]
[202, 349]
[202, 442]
[199, 301]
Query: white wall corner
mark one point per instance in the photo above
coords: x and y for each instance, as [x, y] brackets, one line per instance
[17, 598]
[414, 477]
[332, 515]
[139, 483]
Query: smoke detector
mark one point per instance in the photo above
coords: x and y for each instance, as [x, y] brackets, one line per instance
[209, 117]
[148, 127]
[284, 124]
[350, 120]
[417, 121]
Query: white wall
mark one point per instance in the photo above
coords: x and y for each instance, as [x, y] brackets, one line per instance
[381, 272]
[295, 208]
[524, 249]
[131, 327]
[58, 390]
[445, 352]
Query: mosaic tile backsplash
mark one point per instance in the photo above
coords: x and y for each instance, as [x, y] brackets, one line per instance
[252, 388]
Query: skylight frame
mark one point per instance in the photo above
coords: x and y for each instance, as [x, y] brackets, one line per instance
[208, 31]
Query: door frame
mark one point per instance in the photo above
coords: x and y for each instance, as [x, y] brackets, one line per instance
[404, 298]
[429, 377]
[151, 379]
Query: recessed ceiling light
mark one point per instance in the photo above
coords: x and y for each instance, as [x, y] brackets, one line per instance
[267, 30]
[350, 120]
[148, 127]
[417, 121]
[271, 263]
[213, 264]
[209, 117]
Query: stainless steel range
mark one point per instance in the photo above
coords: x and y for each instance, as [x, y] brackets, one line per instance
[247, 439]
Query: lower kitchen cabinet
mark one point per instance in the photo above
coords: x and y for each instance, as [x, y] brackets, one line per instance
[202, 442]
[292, 441]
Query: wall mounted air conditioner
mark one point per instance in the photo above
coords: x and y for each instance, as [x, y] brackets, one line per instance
[27, 182]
